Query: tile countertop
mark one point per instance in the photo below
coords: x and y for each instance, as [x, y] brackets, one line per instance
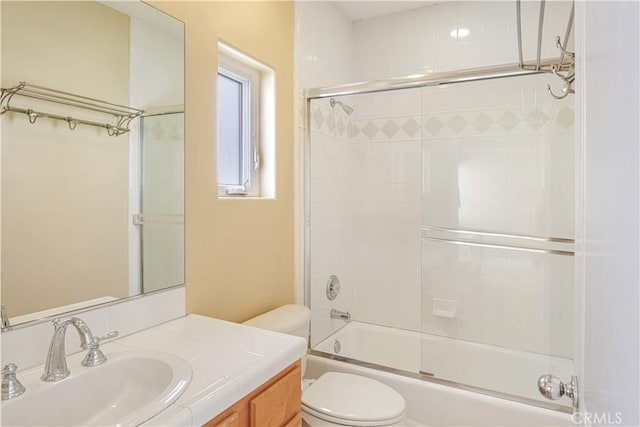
[229, 360]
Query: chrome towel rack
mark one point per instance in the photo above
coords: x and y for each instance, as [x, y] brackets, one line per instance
[121, 115]
[564, 68]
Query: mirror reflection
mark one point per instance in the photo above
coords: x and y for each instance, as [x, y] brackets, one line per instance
[90, 215]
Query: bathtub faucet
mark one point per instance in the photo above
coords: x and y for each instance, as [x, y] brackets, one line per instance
[344, 315]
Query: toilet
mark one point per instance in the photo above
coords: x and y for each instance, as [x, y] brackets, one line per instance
[335, 399]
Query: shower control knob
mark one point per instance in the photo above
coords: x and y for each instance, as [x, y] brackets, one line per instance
[333, 287]
[552, 388]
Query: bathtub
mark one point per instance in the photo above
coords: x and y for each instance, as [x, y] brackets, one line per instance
[394, 357]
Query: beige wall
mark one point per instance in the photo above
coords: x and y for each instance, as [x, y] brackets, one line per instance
[64, 193]
[239, 253]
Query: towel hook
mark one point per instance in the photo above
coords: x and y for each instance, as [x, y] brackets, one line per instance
[563, 48]
[567, 80]
[566, 90]
[72, 123]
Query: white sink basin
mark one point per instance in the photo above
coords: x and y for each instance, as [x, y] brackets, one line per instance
[127, 390]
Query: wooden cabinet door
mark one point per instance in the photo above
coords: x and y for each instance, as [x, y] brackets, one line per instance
[276, 405]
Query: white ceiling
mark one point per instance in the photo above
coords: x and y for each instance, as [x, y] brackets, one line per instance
[365, 9]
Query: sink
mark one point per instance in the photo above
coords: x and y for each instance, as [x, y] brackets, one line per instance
[129, 389]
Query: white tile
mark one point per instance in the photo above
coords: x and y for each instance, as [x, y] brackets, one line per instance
[209, 329]
[132, 316]
[111, 347]
[186, 348]
[203, 412]
[323, 45]
[26, 347]
[173, 416]
[169, 304]
[202, 383]
[141, 313]
[256, 341]
[404, 42]
[404, 103]
[239, 365]
[147, 339]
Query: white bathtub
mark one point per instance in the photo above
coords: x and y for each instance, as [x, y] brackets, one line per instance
[479, 365]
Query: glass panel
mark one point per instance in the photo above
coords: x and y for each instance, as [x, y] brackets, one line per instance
[497, 303]
[365, 226]
[229, 131]
[162, 201]
[496, 318]
[447, 214]
[329, 204]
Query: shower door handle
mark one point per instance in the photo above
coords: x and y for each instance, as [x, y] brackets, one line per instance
[552, 388]
[141, 219]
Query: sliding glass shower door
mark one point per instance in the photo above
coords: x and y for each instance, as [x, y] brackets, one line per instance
[497, 234]
[446, 215]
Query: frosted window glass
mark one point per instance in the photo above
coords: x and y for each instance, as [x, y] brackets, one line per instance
[229, 131]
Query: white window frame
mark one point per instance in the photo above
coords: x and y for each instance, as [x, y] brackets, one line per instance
[250, 80]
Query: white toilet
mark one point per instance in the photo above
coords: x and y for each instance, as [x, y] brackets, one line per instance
[335, 399]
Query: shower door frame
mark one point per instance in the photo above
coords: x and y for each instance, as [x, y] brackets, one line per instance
[426, 80]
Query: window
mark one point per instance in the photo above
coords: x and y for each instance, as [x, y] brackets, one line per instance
[238, 128]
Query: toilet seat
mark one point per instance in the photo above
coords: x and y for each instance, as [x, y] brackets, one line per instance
[353, 400]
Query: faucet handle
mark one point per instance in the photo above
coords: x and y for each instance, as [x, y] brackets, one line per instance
[11, 387]
[97, 340]
[110, 335]
[95, 356]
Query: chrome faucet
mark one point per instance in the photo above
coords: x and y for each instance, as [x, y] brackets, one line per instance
[344, 315]
[55, 367]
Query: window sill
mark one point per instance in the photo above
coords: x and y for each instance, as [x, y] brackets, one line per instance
[225, 197]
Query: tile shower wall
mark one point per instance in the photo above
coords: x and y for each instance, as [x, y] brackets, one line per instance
[498, 155]
[365, 210]
[385, 206]
[331, 235]
[384, 184]
[407, 159]
[323, 47]
[427, 39]
[323, 56]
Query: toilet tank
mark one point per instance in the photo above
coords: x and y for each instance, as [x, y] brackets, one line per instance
[292, 319]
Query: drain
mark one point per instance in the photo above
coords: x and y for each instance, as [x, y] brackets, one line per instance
[337, 347]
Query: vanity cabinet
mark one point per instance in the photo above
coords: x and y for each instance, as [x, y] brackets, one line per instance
[275, 403]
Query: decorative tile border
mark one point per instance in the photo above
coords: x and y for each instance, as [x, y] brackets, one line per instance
[545, 118]
[331, 122]
[387, 129]
[499, 122]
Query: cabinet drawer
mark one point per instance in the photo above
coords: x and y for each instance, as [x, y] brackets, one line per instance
[277, 404]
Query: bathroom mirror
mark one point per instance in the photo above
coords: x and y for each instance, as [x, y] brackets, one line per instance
[90, 215]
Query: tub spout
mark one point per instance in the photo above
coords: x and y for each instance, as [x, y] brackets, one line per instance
[344, 315]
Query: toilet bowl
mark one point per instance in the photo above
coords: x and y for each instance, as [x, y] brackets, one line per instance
[335, 399]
